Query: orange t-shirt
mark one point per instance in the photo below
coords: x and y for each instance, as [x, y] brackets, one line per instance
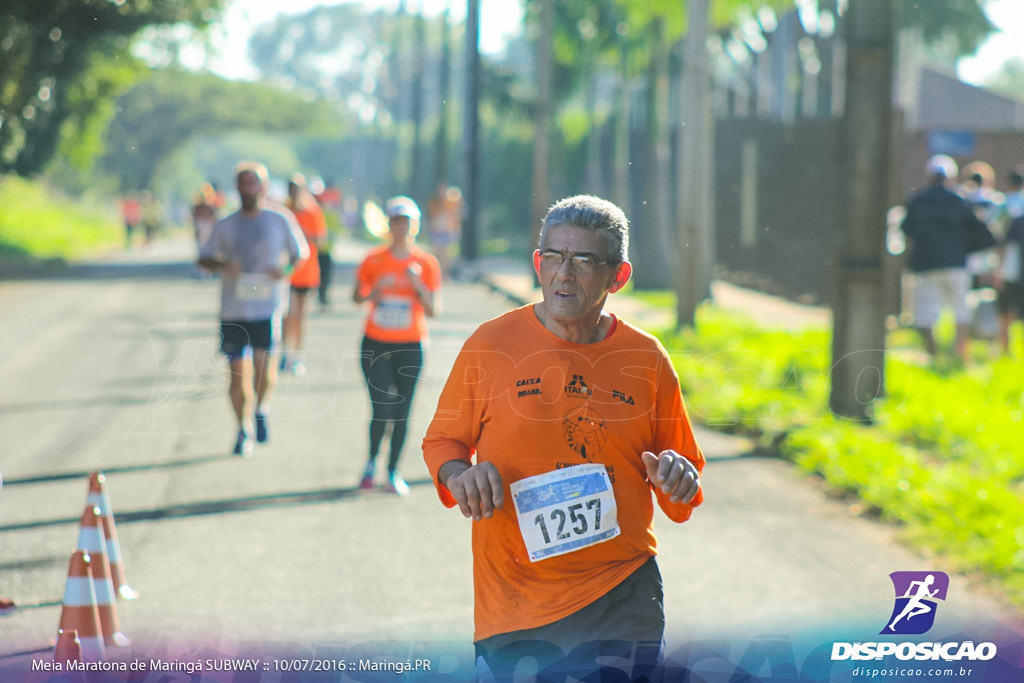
[314, 227]
[399, 316]
[532, 403]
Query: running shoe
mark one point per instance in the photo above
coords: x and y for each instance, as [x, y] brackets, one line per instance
[243, 444]
[298, 368]
[7, 606]
[396, 484]
[261, 428]
[367, 481]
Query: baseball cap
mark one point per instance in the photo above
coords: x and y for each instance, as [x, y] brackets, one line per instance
[402, 206]
[942, 165]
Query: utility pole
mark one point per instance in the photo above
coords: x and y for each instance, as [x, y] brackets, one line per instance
[469, 242]
[858, 338]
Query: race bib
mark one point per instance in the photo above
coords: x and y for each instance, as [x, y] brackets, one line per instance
[393, 313]
[254, 287]
[565, 510]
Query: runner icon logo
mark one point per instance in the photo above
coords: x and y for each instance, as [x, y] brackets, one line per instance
[917, 596]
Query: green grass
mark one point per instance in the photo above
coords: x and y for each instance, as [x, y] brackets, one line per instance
[943, 457]
[37, 223]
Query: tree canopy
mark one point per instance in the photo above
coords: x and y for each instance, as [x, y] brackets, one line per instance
[56, 60]
[171, 107]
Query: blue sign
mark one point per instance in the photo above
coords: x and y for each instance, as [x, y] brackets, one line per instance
[956, 143]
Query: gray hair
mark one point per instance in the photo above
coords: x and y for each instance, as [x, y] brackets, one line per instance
[591, 213]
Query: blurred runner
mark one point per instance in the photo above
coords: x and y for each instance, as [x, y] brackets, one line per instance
[253, 250]
[401, 281]
[204, 217]
[445, 211]
[330, 198]
[131, 214]
[306, 277]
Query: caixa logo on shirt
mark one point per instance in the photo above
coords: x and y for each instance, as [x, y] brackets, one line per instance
[917, 598]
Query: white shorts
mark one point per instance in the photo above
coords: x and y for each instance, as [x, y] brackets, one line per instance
[936, 289]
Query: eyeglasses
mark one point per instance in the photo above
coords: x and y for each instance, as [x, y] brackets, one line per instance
[581, 263]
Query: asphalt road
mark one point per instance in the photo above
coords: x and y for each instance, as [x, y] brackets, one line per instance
[113, 367]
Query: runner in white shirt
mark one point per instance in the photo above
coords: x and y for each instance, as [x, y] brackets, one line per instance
[253, 250]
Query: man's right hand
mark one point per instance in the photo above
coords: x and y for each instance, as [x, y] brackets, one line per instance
[476, 488]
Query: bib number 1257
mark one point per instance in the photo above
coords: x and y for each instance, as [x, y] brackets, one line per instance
[566, 510]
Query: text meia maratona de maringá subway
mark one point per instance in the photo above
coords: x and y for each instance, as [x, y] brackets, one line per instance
[152, 665]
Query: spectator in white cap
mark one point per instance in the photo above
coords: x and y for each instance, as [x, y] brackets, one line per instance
[941, 229]
[401, 282]
[941, 166]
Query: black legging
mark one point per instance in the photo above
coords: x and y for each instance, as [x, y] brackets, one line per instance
[323, 258]
[391, 372]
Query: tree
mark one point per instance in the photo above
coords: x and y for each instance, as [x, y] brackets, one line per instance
[859, 312]
[46, 48]
[540, 195]
[962, 21]
[695, 238]
[858, 340]
[162, 113]
[1009, 80]
[688, 249]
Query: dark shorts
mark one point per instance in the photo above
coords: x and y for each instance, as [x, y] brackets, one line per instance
[303, 290]
[627, 625]
[1011, 299]
[240, 337]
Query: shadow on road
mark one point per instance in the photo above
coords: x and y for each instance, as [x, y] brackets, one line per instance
[98, 271]
[75, 404]
[216, 507]
[82, 474]
[139, 268]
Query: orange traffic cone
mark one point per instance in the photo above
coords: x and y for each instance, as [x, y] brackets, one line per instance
[80, 614]
[98, 497]
[69, 647]
[91, 539]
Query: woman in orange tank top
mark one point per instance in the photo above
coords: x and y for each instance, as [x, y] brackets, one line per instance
[401, 282]
[306, 277]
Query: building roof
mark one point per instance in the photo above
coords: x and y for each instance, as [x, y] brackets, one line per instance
[948, 103]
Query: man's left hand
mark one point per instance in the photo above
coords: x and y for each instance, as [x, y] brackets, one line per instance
[673, 474]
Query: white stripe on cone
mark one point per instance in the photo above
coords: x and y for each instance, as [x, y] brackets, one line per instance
[81, 610]
[91, 539]
[99, 498]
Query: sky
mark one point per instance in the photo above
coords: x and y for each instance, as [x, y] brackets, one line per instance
[1000, 47]
[499, 18]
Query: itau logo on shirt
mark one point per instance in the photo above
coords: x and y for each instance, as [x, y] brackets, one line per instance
[917, 596]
